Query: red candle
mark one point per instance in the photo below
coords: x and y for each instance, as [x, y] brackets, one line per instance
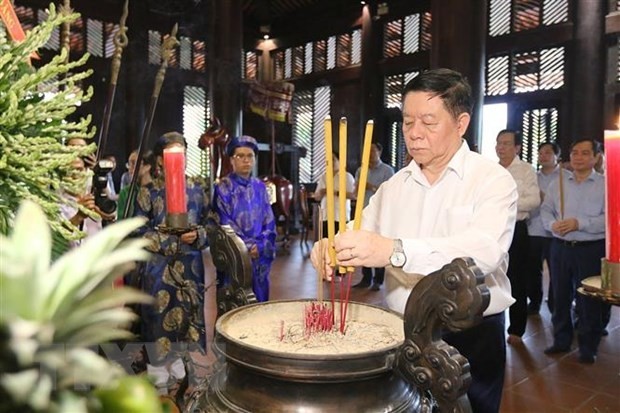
[612, 199]
[174, 171]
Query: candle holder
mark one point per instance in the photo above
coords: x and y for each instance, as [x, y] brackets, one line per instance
[605, 287]
[176, 224]
[610, 277]
[177, 220]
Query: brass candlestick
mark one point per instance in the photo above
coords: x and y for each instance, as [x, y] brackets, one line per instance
[177, 221]
[610, 278]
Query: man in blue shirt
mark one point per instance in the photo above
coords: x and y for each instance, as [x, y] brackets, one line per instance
[574, 212]
[540, 238]
[378, 173]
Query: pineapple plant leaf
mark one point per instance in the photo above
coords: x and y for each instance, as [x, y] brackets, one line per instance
[51, 312]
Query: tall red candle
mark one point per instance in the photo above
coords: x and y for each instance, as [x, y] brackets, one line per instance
[612, 199]
[174, 171]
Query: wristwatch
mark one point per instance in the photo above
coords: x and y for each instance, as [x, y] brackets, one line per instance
[398, 258]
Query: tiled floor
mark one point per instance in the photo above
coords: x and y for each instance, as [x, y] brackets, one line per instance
[534, 382]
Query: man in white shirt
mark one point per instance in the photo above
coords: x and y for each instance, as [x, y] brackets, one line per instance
[447, 203]
[508, 148]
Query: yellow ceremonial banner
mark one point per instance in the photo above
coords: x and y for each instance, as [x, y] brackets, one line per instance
[7, 13]
[271, 100]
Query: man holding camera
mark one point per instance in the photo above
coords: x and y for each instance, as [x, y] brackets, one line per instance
[86, 199]
[89, 196]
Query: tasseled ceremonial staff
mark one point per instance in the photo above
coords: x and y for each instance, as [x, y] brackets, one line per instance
[170, 42]
[120, 42]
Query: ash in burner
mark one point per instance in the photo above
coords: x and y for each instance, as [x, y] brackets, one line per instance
[281, 327]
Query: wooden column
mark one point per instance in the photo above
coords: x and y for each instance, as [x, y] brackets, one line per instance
[459, 31]
[587, 74]
[225, 43]
[370, 81]
[136, 67]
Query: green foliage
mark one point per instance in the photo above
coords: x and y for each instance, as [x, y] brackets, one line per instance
[34, 163]
[51, 314]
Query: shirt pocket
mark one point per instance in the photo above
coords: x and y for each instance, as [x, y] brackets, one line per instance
[592, 209]
[459, 218]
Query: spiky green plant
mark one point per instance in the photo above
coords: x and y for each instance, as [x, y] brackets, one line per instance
[34, 164]
[49, 315]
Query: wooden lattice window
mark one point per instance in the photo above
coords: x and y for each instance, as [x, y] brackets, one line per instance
[308, 58]
[288, 63]
[356, 47]
[154, 47]
[392, 38]
[196, 111]
[250, 65]
[185, 53]
[343, 50]
[303, 116]
[109, 31]
[331, 52]
[94, 37]
[319, 61]
[76, 41]
[398, 150]
[393, 87]
[525, 72]
[298, 56]
[497, 73]
[409, 35]
[278, 64]
[537, 126]
[309, 111]
[425, 33]
[198, 56]
[509, 16]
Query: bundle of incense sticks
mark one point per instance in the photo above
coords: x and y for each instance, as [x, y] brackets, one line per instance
[345, 287]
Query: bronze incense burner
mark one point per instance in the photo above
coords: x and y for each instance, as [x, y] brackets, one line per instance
[418, 374]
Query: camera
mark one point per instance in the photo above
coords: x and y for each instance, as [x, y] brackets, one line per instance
[100, 183]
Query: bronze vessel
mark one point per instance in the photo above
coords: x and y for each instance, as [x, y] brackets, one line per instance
[421, 373]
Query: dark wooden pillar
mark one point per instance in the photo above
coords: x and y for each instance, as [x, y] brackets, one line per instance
[136, 66]
[370, 82]
[459, 31]
[588, 71]
[224, 53]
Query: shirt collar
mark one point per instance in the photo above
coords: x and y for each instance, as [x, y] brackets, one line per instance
[592, 177]
[515, 160]
[456, 165]
[240, 180]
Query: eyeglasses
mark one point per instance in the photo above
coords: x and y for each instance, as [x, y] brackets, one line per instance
[242, 157]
